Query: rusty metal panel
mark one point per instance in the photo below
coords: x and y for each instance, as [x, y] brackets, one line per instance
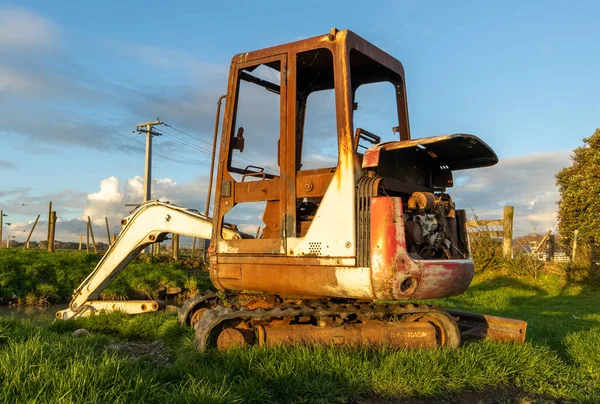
[444, 278]
[283, 260]
[229, 271]
[398, 334]
[371, 157]
[483, 326]
[395, 275]
[256, 191]
[300, 280]
[392, 268]
[310, 184]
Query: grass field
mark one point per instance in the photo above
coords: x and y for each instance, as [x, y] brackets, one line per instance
[34, 277]
[151, 359]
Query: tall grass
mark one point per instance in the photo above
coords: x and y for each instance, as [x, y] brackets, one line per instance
[34, 276]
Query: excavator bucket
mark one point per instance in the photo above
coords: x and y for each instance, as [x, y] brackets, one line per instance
[483, 326]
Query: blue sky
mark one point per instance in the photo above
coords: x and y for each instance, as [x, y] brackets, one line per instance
[75, 79]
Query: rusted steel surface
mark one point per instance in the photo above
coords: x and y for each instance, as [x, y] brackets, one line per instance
[483, 326]
[399, 335]
[310, 185]
[233, 338]
[395, 275]
[298, 280]
[253, 191]
[444, 278]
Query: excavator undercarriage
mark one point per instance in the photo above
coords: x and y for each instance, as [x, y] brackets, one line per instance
[337, 322]
[338, 253]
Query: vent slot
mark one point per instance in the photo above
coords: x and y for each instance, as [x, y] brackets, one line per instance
[314, 247]
[366, 188]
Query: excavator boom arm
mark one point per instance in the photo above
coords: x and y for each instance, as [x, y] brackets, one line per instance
[149, 223]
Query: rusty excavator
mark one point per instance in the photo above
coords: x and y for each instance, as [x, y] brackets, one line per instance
[347, 239]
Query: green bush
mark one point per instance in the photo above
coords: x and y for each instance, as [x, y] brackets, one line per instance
[486, 252]
[524, 264]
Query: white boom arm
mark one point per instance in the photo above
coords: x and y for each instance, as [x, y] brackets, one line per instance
[149, 223]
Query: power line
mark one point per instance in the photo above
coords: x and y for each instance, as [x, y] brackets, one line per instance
[199, 148]
[187, 134]
[184, 142]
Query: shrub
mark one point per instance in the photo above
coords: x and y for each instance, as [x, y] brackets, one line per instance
[524, 264]
[33, 277]
[486, 252]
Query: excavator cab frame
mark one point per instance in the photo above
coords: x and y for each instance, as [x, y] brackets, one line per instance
[302, 221]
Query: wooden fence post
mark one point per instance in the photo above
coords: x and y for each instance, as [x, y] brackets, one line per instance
[107, 230]
[507, 245]
[49, 220]
[574, 253]
[52, 232]
[87, 238]
[92, 234]
[31, 232]
[193, 248]
[175, 246]
[80, 241]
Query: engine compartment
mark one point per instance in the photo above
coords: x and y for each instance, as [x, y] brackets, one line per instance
[419, 171]
[431, 228]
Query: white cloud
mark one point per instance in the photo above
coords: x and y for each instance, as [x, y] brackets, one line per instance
[109, 191]
[112, 197]
[20, 29]
[525, 182]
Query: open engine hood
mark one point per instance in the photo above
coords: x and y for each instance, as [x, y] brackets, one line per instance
[451, 152]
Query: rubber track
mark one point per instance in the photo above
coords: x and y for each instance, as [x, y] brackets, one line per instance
[363, 311]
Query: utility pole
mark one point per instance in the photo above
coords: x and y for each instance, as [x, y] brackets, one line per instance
[146, 128]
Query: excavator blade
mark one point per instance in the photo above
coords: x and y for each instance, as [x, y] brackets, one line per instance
[483, 326]
[125, 306]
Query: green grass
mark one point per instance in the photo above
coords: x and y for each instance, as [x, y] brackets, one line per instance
[552, 307]
[560, 361]
[34, 276]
